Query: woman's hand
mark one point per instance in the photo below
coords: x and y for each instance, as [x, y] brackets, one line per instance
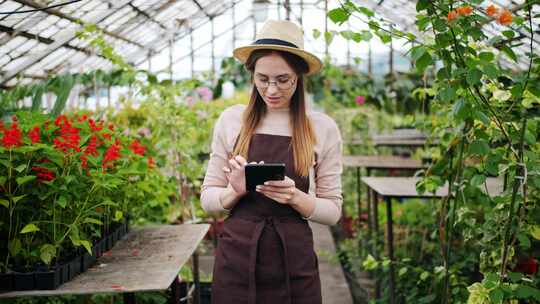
[283, 191]
[236, 174]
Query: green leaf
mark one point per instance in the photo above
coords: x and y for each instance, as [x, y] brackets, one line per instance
[402, 271]
[423, 62]
[47, 253]
[23, 180]
[4, 203]
[328, 37]
[515, 276]
[6, 163]
[478, 180]
[479, 147]
[2, 180]
[424, 276]
[316, 33]
[417, 52]
[524, 241]
[18, 198]
[448, 94]
[92, 221]
[422, 5]
[370, 263]
[14, 247]
[29, 228]
[474, 76]
[86, 245]
[496, 295]
[535, 231]
[508, 51]
[508, 34]
[482, 117]
[20, 168]
[527, 292]
[338, 15]
[62, 201]
[486, 56]
[491, 71]
[118, 215]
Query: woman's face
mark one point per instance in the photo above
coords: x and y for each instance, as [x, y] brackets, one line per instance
[275, 80]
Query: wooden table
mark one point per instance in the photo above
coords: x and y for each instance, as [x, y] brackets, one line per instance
[147, 259]
[403, 187]
[376, 162]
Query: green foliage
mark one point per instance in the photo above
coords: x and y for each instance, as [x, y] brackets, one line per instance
[485, 117]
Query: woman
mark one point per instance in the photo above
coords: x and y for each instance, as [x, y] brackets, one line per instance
[265, 253]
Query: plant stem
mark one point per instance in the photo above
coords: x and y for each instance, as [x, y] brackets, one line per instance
[518, 181]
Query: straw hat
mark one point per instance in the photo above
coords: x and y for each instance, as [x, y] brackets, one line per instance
[280, 35]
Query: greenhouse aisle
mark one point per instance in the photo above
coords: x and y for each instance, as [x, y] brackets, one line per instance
[334, 285]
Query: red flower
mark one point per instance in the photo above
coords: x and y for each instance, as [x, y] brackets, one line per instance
[14, 118]
[464, 10]
[43, 174]
[91, 148]
[151, 163]
[34, 135]
[492, 10]
[107, 135]
[84, 161]
[137, 148]
[95, 127]
[1, 125]
[452, 15]
[69, 136]
[111, 127]
[505, 18]
[12, 136]
[112, 154]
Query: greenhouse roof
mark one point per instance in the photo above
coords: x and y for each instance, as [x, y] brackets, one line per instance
[36, 42]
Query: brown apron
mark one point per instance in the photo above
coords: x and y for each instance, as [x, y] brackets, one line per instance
[265, 252]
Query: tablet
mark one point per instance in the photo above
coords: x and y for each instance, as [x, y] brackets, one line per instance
[257, 174]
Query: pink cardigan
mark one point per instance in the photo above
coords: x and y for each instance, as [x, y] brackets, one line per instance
[325, 177]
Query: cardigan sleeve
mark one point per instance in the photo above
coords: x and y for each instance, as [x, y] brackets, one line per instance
[328, 192]
[215, 180]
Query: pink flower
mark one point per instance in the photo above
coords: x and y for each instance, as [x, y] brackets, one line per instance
[360, 100]
[190, 100]
[205, 93]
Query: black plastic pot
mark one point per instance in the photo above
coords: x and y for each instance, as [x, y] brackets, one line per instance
[74, 267]
[87, 261]
[48, 280]
[23, 281]
[96, 250]
[110, 242]
[6, 281]
[64, 271]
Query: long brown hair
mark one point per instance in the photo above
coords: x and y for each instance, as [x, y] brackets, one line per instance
[303, 136]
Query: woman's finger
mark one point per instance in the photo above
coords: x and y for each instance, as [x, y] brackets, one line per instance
[234, 164]
[242, 161]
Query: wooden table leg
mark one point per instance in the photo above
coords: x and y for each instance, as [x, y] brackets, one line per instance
[129, 298]
[376, 239]
[197, 291]
[390, 242]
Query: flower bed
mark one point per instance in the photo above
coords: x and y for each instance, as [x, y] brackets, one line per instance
[65, 188]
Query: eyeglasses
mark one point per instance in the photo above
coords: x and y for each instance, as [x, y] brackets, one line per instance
[281, 84]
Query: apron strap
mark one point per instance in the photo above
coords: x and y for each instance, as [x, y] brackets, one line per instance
[252, 292]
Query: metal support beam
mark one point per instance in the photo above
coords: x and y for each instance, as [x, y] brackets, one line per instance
[64, 37]
[325, 27]
[202, 9]
[213, 47]
[145, 15]
[58, 13]
[287, 10]
[14, 32]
